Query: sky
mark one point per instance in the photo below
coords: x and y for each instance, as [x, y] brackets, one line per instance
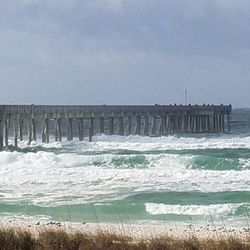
[125, 51]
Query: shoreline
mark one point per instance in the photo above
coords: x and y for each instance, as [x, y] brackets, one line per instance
[136, 231]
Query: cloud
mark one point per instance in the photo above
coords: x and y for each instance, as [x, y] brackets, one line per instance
[114, 5]
[124, 51]
[233, 5]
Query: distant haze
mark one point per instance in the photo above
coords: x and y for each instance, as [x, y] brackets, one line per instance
[125, 51]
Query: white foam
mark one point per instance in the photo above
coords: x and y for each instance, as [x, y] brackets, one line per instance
[47, 177]
[141, 143]
[211, 210]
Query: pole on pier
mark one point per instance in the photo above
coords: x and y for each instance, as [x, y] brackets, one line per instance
[121, 127]
[186, 97]
[138, 125]
[80, 129]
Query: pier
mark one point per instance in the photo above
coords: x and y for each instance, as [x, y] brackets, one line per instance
[33, 121]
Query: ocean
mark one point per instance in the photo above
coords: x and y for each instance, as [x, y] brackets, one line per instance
[199, 178]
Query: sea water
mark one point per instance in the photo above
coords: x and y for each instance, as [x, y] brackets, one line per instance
[131, 179]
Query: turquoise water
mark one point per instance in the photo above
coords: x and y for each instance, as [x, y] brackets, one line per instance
[133, 179]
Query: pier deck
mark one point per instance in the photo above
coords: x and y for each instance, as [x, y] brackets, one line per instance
[155, 120]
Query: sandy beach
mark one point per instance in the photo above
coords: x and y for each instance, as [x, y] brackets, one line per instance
[136, 231]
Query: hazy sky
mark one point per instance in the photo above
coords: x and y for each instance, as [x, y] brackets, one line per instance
[124, 51]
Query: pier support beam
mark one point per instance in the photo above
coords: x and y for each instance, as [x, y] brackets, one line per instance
[188, 123]
[32, 130]
[138, 125]
[111, 125]
[153, 130]
[171, 124]
[16, 133]
[1, 134]
[183, 123]
[219, 122]
[223, 122]
[207, 123]
[6, 133]
[163, 125]
[58, 131]
[195, 123]
[69, 129]
[20, 129]
[216, 123]
[129, 126]
[101, 125]
[33, 124]
[121, 126]
[80, 128]
[175, 124]
[45, 132]
[211, 123]
[146, 126]
[228, 123]
[91, 128]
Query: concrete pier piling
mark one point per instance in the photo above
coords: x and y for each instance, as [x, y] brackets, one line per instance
[58, 131]
[80, 128]
[6, 133]
[157, 120]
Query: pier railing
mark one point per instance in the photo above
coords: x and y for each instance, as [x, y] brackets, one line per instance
[155, 120]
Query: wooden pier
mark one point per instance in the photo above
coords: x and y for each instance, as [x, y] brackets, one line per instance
[81, 121]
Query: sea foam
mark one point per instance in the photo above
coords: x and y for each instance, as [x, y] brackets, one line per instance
[114, 167]
[213, 210]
